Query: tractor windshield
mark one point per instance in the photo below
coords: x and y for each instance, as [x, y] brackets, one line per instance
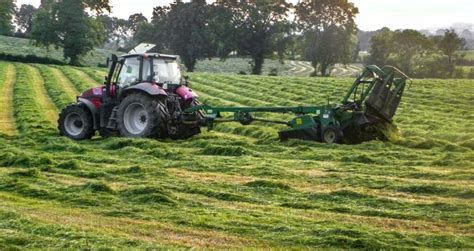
[166, 71]
[129, 73]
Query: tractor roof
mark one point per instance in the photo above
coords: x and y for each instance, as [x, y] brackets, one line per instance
[154, 55]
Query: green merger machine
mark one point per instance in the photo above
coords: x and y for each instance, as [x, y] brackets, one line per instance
[145, 95]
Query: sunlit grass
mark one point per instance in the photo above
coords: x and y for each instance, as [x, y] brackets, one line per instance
[239, 186]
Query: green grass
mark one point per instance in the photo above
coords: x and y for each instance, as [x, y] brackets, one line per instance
[22, 46]
[239, 186]
[287, 68]
[469, 55]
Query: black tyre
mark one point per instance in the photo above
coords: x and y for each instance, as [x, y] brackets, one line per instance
[332, 134]
[141, 116]
[76, 122]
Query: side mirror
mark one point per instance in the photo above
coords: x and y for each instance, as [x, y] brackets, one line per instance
[114, 58]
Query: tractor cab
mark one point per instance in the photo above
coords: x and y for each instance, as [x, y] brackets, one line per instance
[133, 69]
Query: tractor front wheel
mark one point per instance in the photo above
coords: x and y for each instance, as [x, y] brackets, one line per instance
[140, 116]
[76, 122]
[332, 134]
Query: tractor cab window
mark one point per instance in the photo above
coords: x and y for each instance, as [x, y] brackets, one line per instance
[146, 71]
[130, 73]
[116, 73]
[166, 71]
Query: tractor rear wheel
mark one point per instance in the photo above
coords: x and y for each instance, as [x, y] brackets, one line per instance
[76, 122]
[332, 134]
[141, 116]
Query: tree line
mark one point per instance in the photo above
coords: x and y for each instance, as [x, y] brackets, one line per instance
[417, 54]
[323, 32]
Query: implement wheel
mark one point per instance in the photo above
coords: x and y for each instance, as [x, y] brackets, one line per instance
[332, 134]
[140, 116]
[76, 122]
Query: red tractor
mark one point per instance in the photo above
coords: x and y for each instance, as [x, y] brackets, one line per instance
[143, 96]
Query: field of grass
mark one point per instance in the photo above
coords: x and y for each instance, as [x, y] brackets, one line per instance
[287, 68]
[236, 186]
[469, 55]
[22, 46]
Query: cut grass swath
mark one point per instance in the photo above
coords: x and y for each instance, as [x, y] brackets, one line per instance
[64, 82]
[7, 80]
[79, 79]
[241, 187]
[56, 89]
[42, 98]
[30, 117]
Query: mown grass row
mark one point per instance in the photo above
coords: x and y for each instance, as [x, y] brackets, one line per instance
[7, 80]
[124, 191]
[60, 97]
[241, 187]
[95, 74]
[29, 116]
[79, 79]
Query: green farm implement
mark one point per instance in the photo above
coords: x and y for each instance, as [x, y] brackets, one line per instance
[370, 103]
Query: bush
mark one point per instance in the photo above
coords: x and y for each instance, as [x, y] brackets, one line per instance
[471, 73]
[273, 72]
[30, 59]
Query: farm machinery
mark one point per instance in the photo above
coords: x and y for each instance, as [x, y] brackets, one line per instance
[145, 95]
[365, 111]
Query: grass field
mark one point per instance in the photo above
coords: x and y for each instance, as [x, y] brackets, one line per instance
[22, 46]
[469, 55]
[236, 186]
[287, 68]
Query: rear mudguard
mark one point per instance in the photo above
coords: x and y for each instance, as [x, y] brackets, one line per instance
[186, 93]
[94, 111]
[148, 88]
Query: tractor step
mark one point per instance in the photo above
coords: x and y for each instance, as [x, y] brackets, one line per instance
[112, 123]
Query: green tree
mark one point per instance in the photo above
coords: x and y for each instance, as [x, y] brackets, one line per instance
[183, 29]
[355, 53]
[259, 28]
[66, 24]
[381, 47]
[408, 46]
[155, 31]
[189, 34]
[117, 30]
[24, 18]
[329, 29]
[7, 10]
[136, 20]
[450, 44]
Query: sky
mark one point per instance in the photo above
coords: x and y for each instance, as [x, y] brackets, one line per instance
[374, 14]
